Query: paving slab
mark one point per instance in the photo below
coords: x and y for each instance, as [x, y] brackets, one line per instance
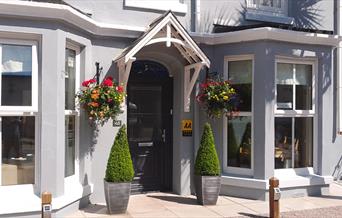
[172, 205]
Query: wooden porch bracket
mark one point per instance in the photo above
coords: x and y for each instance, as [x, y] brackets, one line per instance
[124, 71]
[189, 82]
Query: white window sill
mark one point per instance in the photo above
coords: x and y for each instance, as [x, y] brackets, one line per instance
[165, 5]
[268, 16]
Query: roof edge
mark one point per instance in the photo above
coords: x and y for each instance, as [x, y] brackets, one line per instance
[69, 15]
[266, 33]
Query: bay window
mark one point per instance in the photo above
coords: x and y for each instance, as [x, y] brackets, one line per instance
[72, 62]
[238, 149]
[18, 111]
[294, 115]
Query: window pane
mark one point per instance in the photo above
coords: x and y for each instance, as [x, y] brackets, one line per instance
[283, 142]
[303, 148]
[69, 145]
[16, 87]
[239, 142]
[303, 87]
[284, 86]
[18, 150]
[70, 73]
[240, 76]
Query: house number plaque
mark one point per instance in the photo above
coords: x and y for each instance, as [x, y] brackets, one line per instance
[117, 123]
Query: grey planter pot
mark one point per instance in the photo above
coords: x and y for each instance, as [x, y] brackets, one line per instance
[117, 196]
[207, 189]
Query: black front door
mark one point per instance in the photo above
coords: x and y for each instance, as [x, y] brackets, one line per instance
[150, 126]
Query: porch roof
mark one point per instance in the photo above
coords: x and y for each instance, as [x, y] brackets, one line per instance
[168, 29]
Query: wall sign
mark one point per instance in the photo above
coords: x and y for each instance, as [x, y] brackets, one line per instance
[187, 127]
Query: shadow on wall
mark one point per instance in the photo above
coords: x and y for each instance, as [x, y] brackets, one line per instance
[223, 14]
[337, 174]
[305, 13]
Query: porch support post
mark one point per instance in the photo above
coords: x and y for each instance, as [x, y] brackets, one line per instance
[124, 71]
[190, 82]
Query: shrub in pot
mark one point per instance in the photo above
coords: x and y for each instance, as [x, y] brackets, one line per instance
[207, 169]
[119, 174]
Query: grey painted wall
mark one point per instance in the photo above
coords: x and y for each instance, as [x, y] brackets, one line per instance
[328, 150]
[116, 12]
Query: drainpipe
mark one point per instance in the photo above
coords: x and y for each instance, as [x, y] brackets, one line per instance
[339, 68]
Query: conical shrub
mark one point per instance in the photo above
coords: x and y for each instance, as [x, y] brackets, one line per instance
[119, 165]
[207, 162]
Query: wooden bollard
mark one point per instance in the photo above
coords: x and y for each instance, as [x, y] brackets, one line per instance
[46, 205]
[274, 196]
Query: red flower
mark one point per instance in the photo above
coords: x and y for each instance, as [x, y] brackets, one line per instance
[85, 83]
[119, 88]
[92, 81]
[107, 82]
[110, 78]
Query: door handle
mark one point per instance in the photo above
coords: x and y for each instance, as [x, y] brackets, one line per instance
[164, 135]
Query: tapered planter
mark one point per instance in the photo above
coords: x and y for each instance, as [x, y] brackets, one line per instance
[117, 196]
[207, 189]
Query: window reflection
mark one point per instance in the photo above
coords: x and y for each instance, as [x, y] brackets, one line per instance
[303, 146]
[283, 142]
[69, 145]
[16, 87]
[239, 142]
[18, 150]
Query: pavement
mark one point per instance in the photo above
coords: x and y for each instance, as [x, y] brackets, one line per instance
[171, 205]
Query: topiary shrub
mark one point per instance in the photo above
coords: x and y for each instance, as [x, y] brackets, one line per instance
[207, 162]
[119, 165]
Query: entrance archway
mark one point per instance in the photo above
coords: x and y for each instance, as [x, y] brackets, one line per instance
[149, 121]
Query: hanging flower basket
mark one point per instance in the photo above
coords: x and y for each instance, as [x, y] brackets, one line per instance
[217, 98]
[101, 102]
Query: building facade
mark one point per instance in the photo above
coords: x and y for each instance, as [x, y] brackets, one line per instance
[281, 56]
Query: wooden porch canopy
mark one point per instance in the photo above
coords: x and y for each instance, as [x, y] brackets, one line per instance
[167, 29]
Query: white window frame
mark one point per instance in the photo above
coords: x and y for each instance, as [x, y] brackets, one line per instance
[23, 111]
[283, 10]
[8, 110]
[173, 5]
[226, 168]
[299, 113]
[74, 179]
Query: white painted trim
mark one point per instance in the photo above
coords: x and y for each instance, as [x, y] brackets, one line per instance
[173, 5]
[67, 14]
[266, 33]
[226, 168]
[189, 82]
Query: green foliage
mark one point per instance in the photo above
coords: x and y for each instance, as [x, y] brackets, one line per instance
[207, 162]
[119, 165]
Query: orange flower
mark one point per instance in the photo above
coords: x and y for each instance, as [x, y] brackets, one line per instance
[94, 104]
[95, 96]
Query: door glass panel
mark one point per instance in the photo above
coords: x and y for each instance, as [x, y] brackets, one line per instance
[239, 142]
[18, 150]
[16, 86]
[283, 142]
[285, 86]
[240, 77]
[69, 145]
[145, 120]
[70, 73]
[303, 146]
[303, 87]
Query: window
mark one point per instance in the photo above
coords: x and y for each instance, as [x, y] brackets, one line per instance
[274, 6]
[174, 5]
[72, 62]
[18, 111]
[294, 121]
[239, 131]
[274, 11]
